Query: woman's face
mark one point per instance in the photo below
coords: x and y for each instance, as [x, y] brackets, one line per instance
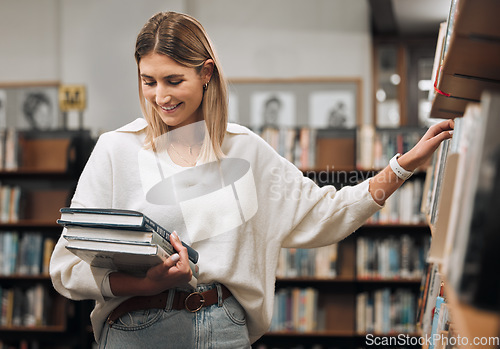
[174, 90]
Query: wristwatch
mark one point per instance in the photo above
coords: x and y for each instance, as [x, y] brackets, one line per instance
[398, 170]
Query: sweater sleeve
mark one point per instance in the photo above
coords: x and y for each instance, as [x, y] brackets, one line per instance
[71, 276]
[332, 216]
[309, 215]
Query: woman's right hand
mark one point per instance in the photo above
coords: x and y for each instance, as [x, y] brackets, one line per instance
[175, 271]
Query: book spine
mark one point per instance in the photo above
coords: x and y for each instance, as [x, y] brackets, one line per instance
[150, 224]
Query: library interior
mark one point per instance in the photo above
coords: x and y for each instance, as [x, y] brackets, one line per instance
[336, 88]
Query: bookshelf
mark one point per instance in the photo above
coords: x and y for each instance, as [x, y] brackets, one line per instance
[336, 314]
[43, 167]
[461, 182]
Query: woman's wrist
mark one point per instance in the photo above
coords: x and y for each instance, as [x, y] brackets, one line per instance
[408, 162]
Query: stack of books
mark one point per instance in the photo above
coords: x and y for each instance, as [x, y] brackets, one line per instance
[122, 240]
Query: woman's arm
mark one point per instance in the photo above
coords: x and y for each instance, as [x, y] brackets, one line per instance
[386, 182]
[175, 271]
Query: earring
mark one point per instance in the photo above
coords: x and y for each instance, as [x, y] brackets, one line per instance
[205, 86]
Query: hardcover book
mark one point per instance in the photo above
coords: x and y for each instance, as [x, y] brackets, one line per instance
[130, 257]
[124, 221]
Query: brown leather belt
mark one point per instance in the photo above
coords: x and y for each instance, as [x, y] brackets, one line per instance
[182, 301]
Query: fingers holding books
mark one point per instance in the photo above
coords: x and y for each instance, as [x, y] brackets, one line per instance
[424, 149]
[175, 271]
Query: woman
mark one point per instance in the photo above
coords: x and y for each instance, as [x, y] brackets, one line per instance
[225, 192]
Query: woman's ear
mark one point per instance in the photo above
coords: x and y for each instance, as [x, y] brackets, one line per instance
[207, 70]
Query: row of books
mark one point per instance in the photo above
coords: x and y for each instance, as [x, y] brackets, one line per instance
[123, 240]
[319, 262]
[461, 203]
[296, 310]
[403, 206]
[26, 253]
[430, 289]
[27, 307]
[9, 149]
[10, 202]
[388, 142]
[386, 311]
[391, 257]
[433, 315]
[296, 145]
[375, 147]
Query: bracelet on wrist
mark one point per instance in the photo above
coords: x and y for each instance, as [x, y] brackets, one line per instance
[398, 170]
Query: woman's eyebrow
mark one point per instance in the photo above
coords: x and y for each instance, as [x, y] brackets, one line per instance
[171, 76]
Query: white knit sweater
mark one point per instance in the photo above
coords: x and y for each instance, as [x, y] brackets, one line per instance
[238, 227]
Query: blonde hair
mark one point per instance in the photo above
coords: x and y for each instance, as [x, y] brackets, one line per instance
[183, 39]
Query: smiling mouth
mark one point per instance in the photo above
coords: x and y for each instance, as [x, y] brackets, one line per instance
[171, 108]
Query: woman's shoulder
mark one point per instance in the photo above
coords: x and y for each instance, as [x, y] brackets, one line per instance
[137, 125]
[131, 134]
[236, 129]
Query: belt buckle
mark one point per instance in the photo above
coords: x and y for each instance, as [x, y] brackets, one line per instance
[201, 300]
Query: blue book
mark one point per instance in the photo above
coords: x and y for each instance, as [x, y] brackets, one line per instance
[435, 320]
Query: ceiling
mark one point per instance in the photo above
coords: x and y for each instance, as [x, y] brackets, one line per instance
[408, 17]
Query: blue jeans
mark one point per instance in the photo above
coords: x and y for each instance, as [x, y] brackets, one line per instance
[221, 325]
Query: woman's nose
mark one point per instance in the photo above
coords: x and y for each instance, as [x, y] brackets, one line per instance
[162, 96]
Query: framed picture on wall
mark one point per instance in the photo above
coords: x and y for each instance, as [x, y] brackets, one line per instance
[272, 109]
[294, 103]
[333, 109]
[30, 106]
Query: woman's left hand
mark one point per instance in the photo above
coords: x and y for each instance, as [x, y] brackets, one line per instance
[427, 145]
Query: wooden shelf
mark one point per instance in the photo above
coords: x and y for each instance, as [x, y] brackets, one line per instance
[313, 279]
[34, 173]
[18, 277]
[472, 61]
[49, 164]
[49, 328]
[30, 224]
[333, 333]
[416, 226]
[471, 322]
[330, 333]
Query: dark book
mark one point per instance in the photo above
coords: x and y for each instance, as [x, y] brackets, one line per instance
[117, 219]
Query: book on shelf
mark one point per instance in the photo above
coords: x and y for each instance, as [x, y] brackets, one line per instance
[384, 311]
[440, 323]
[321, 262]
[26, 307]
[473, 263]
[444, 38]
[296, 309]
[390, 257]
[428, 295]
[124, 221]
[402, 207]
[297, 145]
[10, 203]
[24, 253]
[437, 58]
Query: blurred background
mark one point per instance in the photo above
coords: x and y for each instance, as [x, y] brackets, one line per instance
[388, 44]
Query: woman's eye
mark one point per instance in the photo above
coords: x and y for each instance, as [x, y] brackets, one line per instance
[175, 82]
[148, 83]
